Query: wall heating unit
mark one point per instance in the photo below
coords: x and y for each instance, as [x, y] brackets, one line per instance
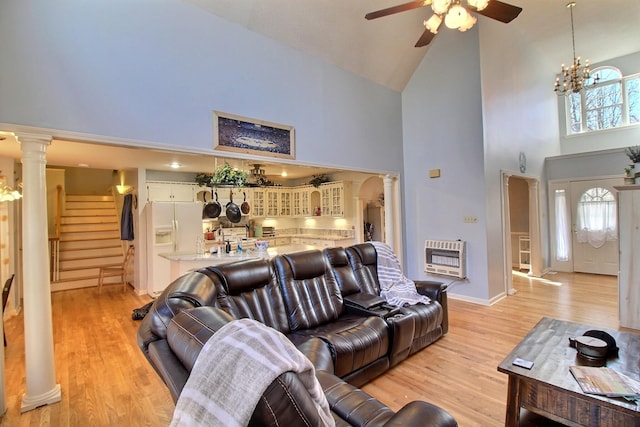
[445, 257]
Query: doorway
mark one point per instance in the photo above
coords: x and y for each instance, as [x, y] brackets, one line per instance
[583, 226]
[520, 226]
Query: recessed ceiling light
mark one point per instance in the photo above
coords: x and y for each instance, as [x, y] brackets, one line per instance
[283, 174]
[83, 165]
[175, 165]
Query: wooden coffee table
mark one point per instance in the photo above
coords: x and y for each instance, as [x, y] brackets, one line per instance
[549, 389]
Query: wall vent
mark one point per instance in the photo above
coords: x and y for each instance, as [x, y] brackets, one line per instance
[445, 257]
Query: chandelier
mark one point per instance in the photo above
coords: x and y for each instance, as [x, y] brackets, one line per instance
[453, 13]
[7, 194]
[573, 79]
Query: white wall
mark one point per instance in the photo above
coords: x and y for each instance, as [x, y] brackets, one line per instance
[442, 128]
[155, 72]
[519, 114]
[471, 115]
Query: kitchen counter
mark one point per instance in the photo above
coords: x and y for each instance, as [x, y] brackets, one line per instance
[182, 262]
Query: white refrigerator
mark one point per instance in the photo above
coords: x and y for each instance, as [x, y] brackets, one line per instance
[172, 227]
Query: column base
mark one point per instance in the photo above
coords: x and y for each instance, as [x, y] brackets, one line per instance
[33, 402]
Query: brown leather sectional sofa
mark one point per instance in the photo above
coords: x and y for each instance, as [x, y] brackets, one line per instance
[327, 303]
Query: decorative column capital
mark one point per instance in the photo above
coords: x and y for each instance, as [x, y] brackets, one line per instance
[33, 137]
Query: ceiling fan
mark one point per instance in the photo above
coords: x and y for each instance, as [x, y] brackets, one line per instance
[453, 14]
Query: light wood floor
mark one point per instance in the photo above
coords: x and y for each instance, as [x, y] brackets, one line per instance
[106, 381]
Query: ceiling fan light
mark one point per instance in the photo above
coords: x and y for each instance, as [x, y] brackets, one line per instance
[456, 17]
[440, 6]
[433, 23]
[478, 4]
[468, 23]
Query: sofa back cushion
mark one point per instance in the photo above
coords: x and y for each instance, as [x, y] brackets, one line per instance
[364, 262]
[345, 277]
[309, 289]
[250, 290]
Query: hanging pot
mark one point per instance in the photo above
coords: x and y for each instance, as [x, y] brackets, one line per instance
[212, 209]
[233, 211]
[244, 207]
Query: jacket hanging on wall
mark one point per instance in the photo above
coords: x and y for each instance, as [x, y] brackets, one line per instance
[126, 220]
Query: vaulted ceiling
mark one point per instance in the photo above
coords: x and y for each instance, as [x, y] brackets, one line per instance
[383, 49]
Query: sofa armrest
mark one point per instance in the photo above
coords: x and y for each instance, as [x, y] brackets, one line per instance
[319, 353]
[437, 291]
[420, 413]
[357, 408]
[431, 288]
[170, 369]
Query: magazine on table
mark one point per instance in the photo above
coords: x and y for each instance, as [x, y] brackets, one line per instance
[605, 382]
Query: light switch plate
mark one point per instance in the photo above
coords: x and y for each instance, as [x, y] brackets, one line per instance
[434, 173]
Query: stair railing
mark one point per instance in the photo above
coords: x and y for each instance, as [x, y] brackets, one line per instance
[54, 241]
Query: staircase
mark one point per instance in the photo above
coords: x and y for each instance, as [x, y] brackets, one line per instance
[89, 239]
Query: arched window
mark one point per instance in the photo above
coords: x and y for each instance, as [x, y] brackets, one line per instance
[613, 101]
[596, 220]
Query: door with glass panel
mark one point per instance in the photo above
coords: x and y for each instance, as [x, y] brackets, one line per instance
[594, 229]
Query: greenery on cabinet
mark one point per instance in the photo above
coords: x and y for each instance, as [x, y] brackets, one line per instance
[319, 179]
[223, 175]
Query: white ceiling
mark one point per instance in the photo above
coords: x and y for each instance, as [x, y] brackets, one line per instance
[380, 50]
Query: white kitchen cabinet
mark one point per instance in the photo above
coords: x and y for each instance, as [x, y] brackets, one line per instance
[258, 202]
[171, 191]
[272, 197]
[284, 202]
[283, 241]
[333, 198]
[277, 202]
[301, 202]
[317, 242]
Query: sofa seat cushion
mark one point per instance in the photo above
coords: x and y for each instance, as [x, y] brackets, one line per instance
[355, 341]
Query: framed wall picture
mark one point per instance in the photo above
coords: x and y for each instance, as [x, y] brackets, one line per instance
[245, 135]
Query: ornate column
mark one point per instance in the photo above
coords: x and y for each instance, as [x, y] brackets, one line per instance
[38, 326]
[506, 231]
[389, 235]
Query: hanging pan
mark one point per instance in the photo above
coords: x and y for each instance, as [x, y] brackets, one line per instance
[244, 207]
[233, 211]
[212, 209]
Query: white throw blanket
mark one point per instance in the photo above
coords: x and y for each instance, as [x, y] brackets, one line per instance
[234, 368]
[395, 288]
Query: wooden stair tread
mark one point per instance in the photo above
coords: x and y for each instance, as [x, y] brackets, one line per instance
[88, 248]
[90, 267]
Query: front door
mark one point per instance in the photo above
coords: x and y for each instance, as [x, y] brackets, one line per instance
[593, 212]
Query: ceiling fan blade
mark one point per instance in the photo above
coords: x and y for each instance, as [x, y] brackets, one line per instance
[499, 11]
[394, 9]
[425, 38]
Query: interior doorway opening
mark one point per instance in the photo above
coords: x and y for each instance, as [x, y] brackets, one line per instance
[521, 227]
[373, 216]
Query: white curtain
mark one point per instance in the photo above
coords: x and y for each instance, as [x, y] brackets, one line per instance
[562, 226]
[596, 218]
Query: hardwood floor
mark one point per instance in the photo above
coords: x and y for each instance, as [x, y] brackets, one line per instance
[106, 381]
